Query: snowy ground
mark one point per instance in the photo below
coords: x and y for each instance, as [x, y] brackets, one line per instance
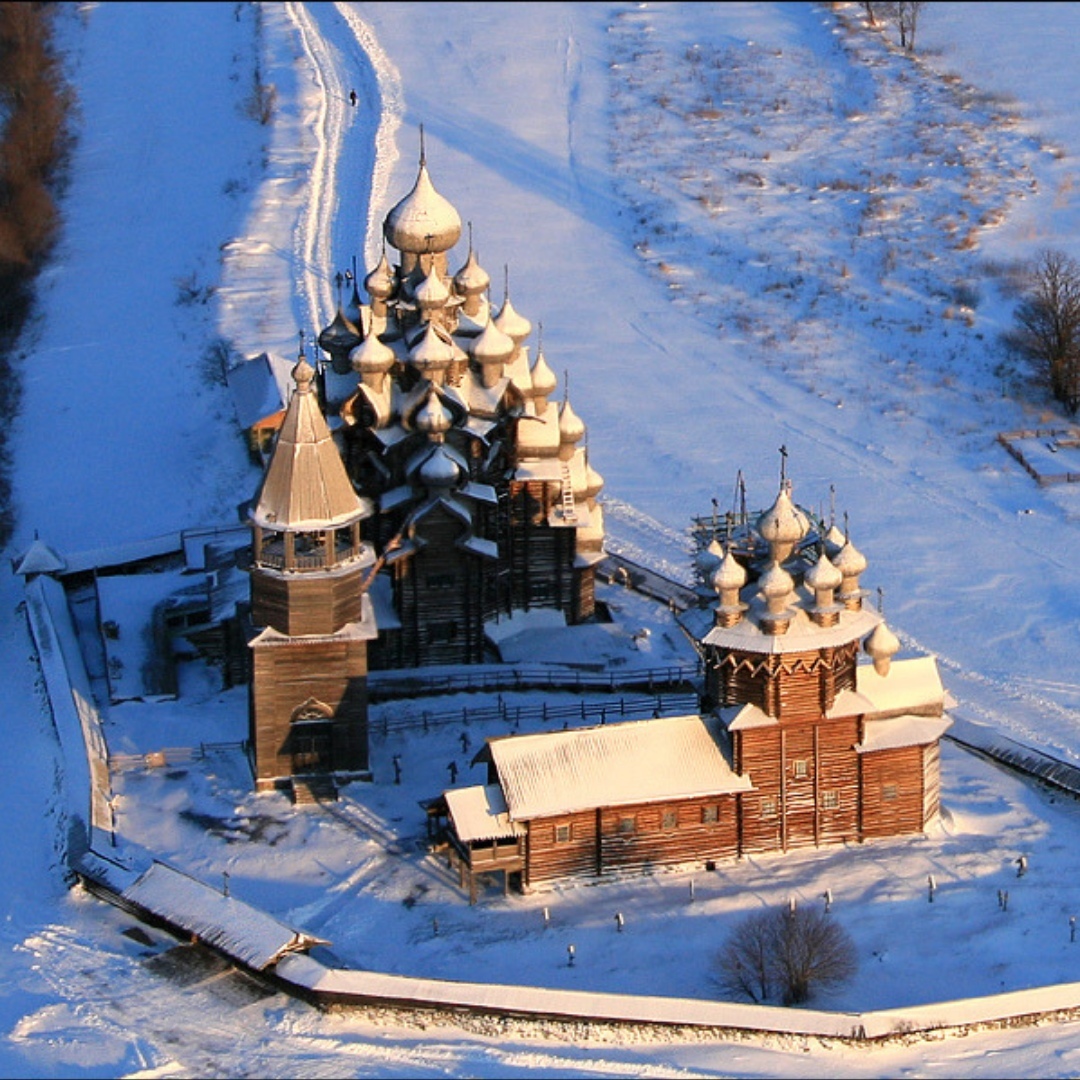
[787, 234]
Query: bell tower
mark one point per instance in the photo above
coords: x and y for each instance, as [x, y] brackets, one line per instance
[308, 705]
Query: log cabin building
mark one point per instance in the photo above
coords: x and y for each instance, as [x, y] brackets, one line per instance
[798, 743]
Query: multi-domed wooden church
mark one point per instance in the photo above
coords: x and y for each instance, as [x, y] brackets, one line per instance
[425, 484]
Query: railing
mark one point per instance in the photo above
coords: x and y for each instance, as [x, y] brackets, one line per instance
[583, 712]
[384, 685]
[173, 755]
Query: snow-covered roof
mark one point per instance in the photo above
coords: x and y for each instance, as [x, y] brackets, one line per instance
[643, 761]
[479, 813]
[225, 922]
[910, 685]
[306, 486]
[39, 558]
[259, 388]
[802, 635]
[900, 731]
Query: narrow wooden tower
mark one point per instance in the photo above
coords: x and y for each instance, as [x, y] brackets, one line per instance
[308, 706]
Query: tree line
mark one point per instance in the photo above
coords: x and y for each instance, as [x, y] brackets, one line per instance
[35, 146]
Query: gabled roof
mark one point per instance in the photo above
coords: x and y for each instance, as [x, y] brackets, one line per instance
[479, 813]
[306, 486]
[642, 761]
[250, 935]
[259, 387]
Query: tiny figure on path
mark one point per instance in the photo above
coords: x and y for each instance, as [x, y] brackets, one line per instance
[352, 98]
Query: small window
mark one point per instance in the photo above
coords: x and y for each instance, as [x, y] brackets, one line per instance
[799, 769]
[440, 582]
[830, 800]
[710, 815]
[563, 834]
[768, 806]
[888, 792]
[671, 819]
[626, 827]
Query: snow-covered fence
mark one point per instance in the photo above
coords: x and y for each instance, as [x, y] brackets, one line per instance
[383, 685]
[596, 712]
[1046, 441]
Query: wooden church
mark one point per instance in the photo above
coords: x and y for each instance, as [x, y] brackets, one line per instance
[425, 483]
[798, 743]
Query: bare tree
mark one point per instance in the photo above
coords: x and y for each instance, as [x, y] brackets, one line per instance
[907, 22]
[788, 952]
[1047, 332]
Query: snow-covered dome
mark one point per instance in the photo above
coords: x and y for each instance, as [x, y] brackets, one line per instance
[775, 584]
[423, 221]
[440, 471]
[491, 345]
[823, 575]
[512, 324]
[380, 282]
[432, 351]
[571, 427]
[543, 378]
[783, 523]
[594, 482]
[472, 279]
[432, 293]
[881, 646]
[433, 418]
[709, 558]
[372, 356]
[729, 575]
[849, 560]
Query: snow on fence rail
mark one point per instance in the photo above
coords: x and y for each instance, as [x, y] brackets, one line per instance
[396, 684]
[614, 709]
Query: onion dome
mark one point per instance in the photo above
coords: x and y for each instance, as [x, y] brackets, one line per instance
[372, 356]
[338, 340]
[491, 345]
[440, 472]
[728, 579]
[380, 282]
[823, 576]
[512, 324]
[431, 294]
[851, 563]
[594, 483]
[834, 540]
[353, 311]
[423, 222]
[433, 418]
[709, 558]
[432, 352]
[472, 279]
[881, 646]
[544, 382]
[729, 575]
[849, 560]
[783, 525]
[776, 586]
[571, 428]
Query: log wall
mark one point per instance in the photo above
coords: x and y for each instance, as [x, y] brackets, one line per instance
[892, 784]
[287, 674]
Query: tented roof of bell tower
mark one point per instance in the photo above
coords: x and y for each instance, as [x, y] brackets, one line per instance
[306, 487]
